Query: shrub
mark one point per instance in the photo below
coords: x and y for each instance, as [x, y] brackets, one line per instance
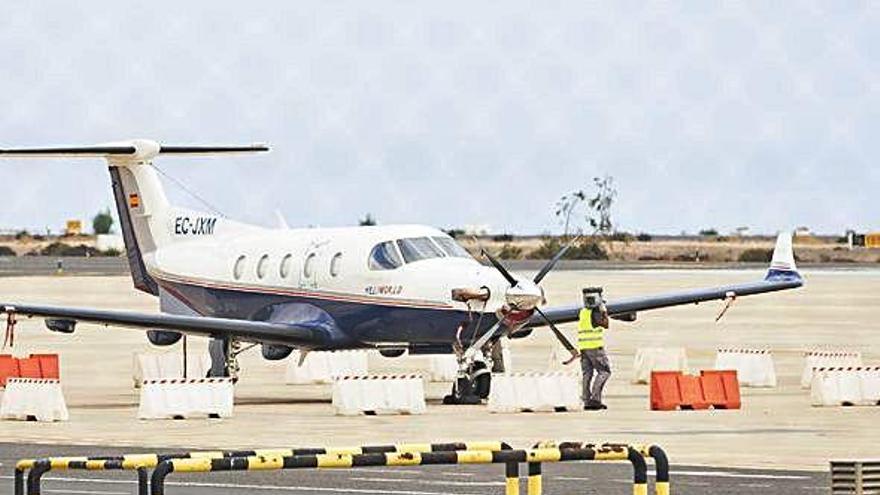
[644, 237]
[503, 238]
[709, 232]
[754, 255]
[585, 249]
[6, 251]
[61, 249]
[455, 233]
[510, 252]
[622, 237]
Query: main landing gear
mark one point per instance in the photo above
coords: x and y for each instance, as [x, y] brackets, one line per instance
[224, 358]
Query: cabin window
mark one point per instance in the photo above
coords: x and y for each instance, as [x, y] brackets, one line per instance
[384, 257]
[418, 248]
[238, 269]
[308, 268]
[451, 248]
[284, 268]
[262, 266]
[335, 263]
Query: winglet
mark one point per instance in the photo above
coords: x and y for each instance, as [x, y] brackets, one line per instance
[782, 266]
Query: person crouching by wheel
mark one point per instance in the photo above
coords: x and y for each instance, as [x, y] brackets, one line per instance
[592, 322]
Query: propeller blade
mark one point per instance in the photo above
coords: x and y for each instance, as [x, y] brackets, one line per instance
[561, 338]
[498, 266]
[550, 264]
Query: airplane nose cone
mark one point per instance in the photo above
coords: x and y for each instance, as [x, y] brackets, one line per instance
[524, 295]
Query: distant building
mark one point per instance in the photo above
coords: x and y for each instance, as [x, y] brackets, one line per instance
[802, 232]
[476, 229]
[73, 227]
[742, 231]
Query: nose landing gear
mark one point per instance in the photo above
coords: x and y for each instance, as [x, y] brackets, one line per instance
[474, 381]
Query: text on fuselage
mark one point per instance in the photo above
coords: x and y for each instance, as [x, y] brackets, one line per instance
[194, 226]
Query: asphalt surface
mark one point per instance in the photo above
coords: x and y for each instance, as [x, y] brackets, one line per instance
[568, 478]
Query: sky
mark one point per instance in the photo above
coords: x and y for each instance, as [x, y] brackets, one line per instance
[707, 113]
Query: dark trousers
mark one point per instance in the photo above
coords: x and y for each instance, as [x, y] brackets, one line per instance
[594, 361]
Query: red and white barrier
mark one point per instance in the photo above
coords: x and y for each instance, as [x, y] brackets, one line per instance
[186, 398]
[322, 367]
[535, 392]
[650, 359]
[379, 394]
[754, 367]
[850, 386]
[39, 399]
[827, 359]
[168, 366]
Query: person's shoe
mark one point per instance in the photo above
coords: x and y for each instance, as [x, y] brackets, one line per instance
[603, 406]
[592, 407]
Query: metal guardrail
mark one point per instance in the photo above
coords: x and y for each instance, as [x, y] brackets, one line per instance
[36, 468]
[533, 457]
[411, 454]
[858, 477]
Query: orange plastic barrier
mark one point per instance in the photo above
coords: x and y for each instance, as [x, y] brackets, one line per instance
[671, 390]
[665, 395]
[8, 368]
[729, 386]
[49, 367]
[691, 392]
[29, 368]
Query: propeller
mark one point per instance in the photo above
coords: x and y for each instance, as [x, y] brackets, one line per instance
[514, 283]
[561, 338]
[555, 259]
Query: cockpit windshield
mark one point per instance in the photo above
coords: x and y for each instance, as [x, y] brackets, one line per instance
[385, 257]
[418, 248]
[451, 248]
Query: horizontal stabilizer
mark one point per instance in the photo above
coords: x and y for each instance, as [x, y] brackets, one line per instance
[138, 149]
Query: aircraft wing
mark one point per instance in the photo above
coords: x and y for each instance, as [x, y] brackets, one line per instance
[782, 275]
[296, 334]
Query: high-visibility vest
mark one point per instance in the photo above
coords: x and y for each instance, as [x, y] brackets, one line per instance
[589, 337]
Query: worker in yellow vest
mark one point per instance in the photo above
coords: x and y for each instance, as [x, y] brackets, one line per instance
[592, 322]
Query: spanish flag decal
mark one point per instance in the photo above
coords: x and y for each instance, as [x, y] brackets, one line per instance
[134, 200]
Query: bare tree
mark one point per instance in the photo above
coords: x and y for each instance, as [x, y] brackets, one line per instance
[600, 205]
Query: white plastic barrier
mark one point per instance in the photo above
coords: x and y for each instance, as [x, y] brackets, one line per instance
[168, 365]
[324, 366]
[650, 359]
[850, 386]
[533, 391]
[443, 368]
[33, 398]
[827, 359]
[181, 398]
[754, 367]
[379, 394]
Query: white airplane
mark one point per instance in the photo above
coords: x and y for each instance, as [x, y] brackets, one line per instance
[397, 288]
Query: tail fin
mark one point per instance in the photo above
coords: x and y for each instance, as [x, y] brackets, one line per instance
[782, 265]
[148, 221]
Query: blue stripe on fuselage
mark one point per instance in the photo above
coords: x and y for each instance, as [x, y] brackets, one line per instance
[359, 323]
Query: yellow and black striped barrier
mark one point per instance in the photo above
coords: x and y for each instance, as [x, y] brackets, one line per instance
[533, 457]
[142, 462]
[661, 461]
